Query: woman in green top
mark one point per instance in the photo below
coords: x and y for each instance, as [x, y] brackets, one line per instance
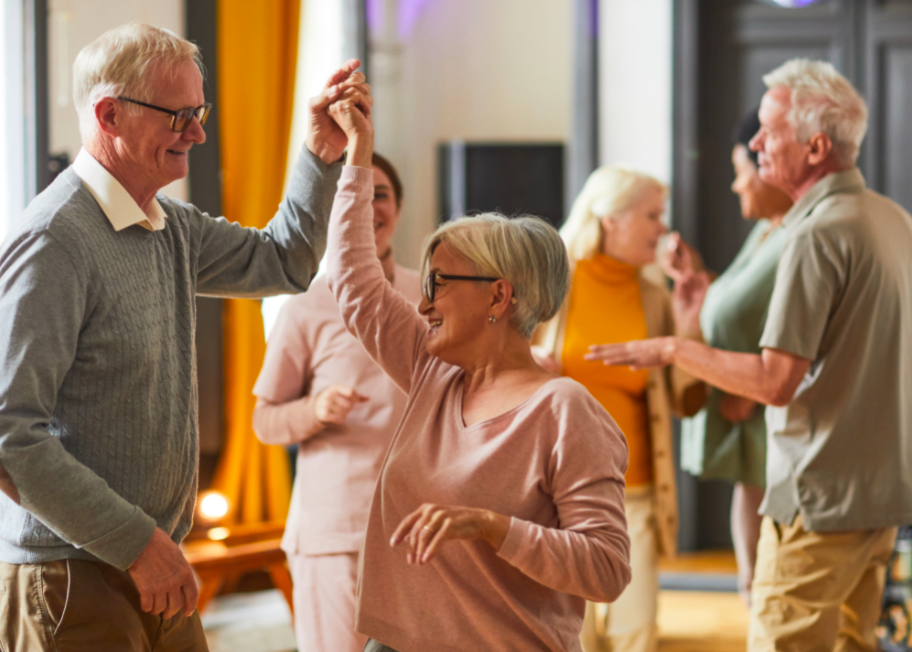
[727, 439]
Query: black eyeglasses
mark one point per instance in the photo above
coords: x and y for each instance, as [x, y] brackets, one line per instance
[180, 119]
[430, 283]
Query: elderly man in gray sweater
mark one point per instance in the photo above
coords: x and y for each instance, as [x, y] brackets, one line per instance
[98, 397]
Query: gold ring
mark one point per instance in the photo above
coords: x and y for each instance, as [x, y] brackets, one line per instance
[428, 528]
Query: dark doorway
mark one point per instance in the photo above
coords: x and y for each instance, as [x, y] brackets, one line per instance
[722, 50]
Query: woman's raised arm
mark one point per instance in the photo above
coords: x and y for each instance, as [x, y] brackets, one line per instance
[388, 326]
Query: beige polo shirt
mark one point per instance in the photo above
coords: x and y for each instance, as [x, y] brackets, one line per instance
[841, 452]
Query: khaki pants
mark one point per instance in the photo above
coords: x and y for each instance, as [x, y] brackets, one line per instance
[817, 591]
[82, 606]
[629, 623]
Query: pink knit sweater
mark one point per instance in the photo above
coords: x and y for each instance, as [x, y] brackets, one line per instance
[555, 464]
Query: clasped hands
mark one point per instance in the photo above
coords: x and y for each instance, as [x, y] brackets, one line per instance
[346, 96]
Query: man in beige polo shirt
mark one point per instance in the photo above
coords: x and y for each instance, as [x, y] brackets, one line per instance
[836, 371]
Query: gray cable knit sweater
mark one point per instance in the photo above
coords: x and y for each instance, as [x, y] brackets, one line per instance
[98, 397]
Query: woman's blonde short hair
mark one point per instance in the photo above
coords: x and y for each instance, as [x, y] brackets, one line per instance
[608, 191]
[823, 101]
[120, 62]
[526, 251]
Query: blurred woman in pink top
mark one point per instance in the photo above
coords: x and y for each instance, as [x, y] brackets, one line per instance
[500, 505]
[319, 388]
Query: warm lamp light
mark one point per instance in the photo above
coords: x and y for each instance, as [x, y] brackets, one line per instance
[218, 534]
[212, 507]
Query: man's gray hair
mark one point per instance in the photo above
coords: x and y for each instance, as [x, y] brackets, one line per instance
[823, 101]
[120, 61]
[526, 251]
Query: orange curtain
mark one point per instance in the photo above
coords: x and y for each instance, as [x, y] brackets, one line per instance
[256, 54]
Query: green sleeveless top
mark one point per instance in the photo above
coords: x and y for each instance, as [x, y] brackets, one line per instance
[732, 318]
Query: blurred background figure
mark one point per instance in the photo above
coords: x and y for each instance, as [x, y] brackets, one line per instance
[319, 388]
[726, 440]
[612, 232]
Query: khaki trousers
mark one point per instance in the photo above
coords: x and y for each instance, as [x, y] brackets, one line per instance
[629, 623]
[82, 606]
[817, 591]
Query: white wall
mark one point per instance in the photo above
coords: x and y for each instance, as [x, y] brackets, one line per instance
[320, 54]
[635, 85]
[470, 69]
[73, 24]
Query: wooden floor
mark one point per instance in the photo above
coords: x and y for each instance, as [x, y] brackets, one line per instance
[701, 621]
[688, 621]
[704, 561]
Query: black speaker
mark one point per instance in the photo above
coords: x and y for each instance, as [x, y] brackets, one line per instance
[510, 178]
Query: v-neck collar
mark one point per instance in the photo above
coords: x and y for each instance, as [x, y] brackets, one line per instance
[460, 398]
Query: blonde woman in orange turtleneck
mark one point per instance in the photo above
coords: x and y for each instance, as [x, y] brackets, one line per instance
[611, 234]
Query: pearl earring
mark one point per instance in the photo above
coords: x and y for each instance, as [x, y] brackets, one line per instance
[492, 319]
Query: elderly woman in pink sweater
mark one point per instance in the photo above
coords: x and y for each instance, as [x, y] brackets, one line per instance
[500, 505]
[318, 388]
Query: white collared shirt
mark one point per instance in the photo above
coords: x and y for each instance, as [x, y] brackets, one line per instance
[119, 207]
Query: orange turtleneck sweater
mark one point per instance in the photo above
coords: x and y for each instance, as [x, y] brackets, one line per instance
[606, 307]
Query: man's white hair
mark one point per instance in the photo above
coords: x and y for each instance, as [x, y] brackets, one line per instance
[823, 101]
[120, 62]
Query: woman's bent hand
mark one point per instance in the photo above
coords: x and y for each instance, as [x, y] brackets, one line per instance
[687, 302]
[333, 404]
[426, 529]
[677, 257]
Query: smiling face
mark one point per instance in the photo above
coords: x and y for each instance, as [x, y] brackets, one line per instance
[758, 198]
[460, 309]
[632, 235]
[783, 160]
[386, 213]
[155, 155]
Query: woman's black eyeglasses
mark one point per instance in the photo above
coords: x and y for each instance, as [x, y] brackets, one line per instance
[180, 119]
[430, 283]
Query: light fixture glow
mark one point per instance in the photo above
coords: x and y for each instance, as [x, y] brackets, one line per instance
[794, 4]
[218, 534]
[213, 506]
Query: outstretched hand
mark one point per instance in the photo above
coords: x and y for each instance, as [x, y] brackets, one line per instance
[636, 354]
[325, 138]
[426, 529]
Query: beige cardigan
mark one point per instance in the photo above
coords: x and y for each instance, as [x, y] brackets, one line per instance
[669, 390]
